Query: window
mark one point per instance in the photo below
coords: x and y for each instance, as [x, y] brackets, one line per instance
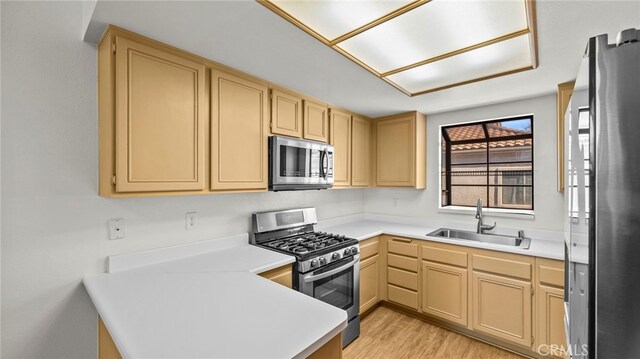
[489, 160]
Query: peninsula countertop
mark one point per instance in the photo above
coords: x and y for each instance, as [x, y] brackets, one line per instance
[211, 305]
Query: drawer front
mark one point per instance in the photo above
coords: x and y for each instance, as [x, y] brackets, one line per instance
[508, 267]
[402, 296]
[446, 256]
[402, 278]
[401, 262]
[369, 248]
[551, 273]
[403, 246]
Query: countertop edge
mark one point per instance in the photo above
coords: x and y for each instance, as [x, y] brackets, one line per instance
[273, 265]
[381, 230]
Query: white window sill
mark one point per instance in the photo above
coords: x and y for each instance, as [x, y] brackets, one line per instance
[490, 212]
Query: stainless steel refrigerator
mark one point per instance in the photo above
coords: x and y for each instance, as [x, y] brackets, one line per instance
[602, 247]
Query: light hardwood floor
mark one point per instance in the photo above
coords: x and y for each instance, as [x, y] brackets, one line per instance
[386, 333]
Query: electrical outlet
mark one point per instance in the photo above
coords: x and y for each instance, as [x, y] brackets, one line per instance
[116, 228]
[191, 220]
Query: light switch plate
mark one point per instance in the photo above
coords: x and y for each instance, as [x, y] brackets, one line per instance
[116, 229]
[191, 220]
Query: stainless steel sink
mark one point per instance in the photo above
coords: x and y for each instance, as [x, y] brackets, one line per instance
[456, 234]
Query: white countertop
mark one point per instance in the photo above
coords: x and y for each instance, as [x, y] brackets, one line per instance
[543, 243]
[210, 305]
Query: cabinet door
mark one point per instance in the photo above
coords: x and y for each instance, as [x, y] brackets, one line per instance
[361, 152]
[239, 130]
[160, 120]
[444, 292]
[281, 275]
[551, 319]
[316, 121]
[369, 283]
[286, 114]
[341, 140]
[396, 151]
[502, 308]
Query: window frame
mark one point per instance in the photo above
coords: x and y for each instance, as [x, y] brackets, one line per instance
[446, 167]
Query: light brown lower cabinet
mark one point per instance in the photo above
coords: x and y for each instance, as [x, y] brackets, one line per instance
[502, 308]
[370, 274]
[512, 300]
[282, 275]
[550, 307]
[369, 283]
[106, 347]
[444, 292]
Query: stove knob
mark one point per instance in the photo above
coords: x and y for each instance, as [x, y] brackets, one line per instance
[347, 252]
[314, 263]
[322, 261]
[335, 256]
[354, 250]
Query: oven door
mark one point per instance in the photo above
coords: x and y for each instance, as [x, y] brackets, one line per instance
[337, 284]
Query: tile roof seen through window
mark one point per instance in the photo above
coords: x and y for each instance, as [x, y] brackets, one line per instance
[495, 131]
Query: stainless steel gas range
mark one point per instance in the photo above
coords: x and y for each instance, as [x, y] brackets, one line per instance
[327, 265]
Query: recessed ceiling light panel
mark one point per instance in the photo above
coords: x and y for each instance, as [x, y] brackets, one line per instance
[423, 45]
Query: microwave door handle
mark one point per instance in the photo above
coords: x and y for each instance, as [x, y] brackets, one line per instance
[326, 274]
[325, 167]
[321, 164]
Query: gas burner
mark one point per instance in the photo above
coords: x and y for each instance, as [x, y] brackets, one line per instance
[299, 250]
[309, 242]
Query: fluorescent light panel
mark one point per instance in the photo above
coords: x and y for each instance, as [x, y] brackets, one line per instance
[489, 60]
[434, 29]
[333, 18]
[462, 40]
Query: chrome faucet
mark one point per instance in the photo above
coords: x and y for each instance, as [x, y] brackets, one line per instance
[481, 226]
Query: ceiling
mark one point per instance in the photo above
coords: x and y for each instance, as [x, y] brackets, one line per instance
[249, 37]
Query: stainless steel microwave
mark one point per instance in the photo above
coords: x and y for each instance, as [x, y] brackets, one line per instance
[296, 164]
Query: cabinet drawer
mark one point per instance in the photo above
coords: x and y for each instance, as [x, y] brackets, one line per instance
[442, 255]
[550, 272]
[402, 278]
[504, 266]
[401, 262]
[402, 296]
[403, 246]
[369, 248]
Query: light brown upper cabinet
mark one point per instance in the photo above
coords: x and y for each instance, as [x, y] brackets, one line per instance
[340, 129]
[316, 121]
[160, 118]
[286, 114]
[565, 90]
[239, 132]
[361, 152]
[401, 151]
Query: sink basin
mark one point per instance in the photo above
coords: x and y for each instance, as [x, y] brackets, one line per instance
[456, 234]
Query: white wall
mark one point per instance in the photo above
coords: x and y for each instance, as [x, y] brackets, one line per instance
[53, 221]
[424, 204]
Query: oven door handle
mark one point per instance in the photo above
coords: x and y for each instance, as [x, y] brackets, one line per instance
[326, 274]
